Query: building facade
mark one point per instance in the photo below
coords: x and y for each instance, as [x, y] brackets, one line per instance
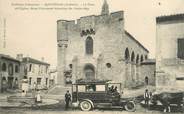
[53, 77]
[10, 75]
[148, 74]
[98, 47]
[170, 51]
[36, 71]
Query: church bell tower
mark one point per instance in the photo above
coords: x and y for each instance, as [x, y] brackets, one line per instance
[105, 8]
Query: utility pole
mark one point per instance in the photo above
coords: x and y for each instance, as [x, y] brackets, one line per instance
[4, 33]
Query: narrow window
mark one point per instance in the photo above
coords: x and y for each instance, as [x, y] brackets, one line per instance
[89, 46]
[181, 48]
[10, 69]
[142, 58]
[127, 56]
[70, 65]
[46, 81]
[132, 57]
[146, 57]
[39, 81]
[137, 59]
[30, 67]
[16, 68]
[30, 80]
[4, 67]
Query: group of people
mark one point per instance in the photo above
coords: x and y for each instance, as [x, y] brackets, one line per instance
[113, 89]
[36, 92]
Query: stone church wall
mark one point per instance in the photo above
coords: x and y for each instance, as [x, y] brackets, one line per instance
[109, 43]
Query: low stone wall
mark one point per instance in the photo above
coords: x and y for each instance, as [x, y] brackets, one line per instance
[26, 99]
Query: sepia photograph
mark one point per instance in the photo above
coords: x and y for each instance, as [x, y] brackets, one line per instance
[91, 57]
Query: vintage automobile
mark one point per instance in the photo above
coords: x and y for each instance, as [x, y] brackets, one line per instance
[99, 94]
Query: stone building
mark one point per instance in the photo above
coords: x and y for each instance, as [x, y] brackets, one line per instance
[36, 71]
[147, 72]
[170, 52]
[52, 77]
[9, 73]
[98, 47]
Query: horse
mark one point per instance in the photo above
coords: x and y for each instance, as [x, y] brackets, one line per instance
[167, 98]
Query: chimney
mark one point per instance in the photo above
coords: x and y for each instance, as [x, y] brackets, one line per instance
[42, 59]
[19, 57]
[27, 58]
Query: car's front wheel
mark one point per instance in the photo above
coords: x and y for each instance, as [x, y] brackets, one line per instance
[85, 106]
[130, 106]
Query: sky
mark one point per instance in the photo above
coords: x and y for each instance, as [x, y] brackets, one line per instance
[33, 32]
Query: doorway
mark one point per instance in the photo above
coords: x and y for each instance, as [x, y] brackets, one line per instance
[10, 82]
[146, 80]
[89, 72]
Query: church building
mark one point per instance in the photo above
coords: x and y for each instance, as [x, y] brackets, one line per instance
[99, 47]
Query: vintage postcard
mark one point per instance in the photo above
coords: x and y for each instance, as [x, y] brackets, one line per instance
[91, 56]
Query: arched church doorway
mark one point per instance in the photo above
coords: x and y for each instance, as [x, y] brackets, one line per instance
[146, 80]
[89, 71]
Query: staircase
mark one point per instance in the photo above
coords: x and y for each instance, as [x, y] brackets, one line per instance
[58, 90]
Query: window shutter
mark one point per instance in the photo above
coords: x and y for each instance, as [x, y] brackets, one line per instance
[181, 48]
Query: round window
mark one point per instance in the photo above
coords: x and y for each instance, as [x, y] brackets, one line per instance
[108, 65]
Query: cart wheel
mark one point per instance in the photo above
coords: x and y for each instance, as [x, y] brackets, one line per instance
[130, 106]
[85, 106]
[154, 103]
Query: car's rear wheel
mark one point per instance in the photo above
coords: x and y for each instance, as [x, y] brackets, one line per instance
[85, 106]
[130, 106]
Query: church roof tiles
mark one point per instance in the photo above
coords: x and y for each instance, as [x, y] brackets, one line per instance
[130, 36]
[173, 17]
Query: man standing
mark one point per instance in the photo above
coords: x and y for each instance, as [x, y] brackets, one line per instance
[67, 99]
[146, 98]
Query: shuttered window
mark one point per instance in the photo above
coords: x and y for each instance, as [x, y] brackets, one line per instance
[181, 48]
